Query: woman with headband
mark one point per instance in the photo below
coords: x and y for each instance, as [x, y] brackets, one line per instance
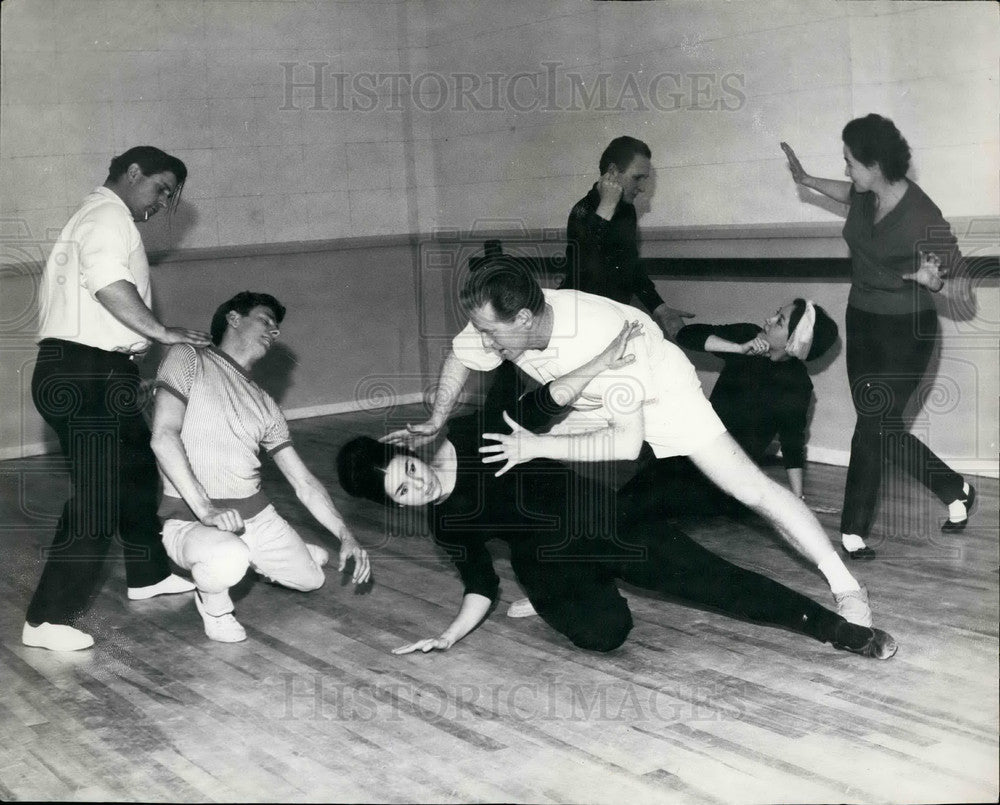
[901, 251]
[764, 390]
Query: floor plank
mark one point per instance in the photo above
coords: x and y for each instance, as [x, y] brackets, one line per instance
[695, 708]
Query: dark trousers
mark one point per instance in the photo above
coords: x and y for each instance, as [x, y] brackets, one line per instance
[673, 487]
[91, 399]
[576, 593]
[886, 360]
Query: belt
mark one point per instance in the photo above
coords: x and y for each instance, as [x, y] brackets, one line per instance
[76, 345]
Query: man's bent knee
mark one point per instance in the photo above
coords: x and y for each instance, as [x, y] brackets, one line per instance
[604, 634]
[223, 566]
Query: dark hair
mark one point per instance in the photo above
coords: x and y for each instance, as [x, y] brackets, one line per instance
[825, 329]
[506, 283]
[874, 139]
[150, 160]
[243, 303]
[621, 151]
[361, 465]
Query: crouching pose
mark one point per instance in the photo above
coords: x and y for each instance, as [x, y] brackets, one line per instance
[545, 511]
[210, 422]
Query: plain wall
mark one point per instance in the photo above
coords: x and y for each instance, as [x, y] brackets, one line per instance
[481, 114]
[338, 203]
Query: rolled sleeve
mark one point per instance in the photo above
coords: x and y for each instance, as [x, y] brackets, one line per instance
[104, 250]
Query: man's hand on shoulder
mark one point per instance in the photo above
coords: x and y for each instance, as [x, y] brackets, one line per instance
[181, 335]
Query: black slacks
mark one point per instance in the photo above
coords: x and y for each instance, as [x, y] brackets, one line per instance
[573, 585]
[91, 399]
[886, 360]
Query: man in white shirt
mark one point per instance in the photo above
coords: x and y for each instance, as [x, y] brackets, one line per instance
[95, 322]
[657, 399]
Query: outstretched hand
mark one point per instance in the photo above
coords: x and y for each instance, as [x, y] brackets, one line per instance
[426, 645]
[513, 448]
[614, 355]
[413, 436]
[929, 273]
[798, 172]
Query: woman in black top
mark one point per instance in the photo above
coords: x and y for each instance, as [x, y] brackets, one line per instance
[762, 392]
[569, 538]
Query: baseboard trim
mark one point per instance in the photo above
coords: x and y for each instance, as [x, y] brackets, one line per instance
[966, 466]
[814, 454]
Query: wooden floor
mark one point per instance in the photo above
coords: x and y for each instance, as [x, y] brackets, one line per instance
[695, 708]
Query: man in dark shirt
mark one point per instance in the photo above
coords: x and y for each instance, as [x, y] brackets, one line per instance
[602, 235]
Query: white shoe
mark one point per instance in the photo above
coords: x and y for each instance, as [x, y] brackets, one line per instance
[223, 628]
[853, 606]
[55, 637]
[522, 608]
[319, 554]
[171, 585]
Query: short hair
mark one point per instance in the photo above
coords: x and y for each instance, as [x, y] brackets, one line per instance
[874, 139]
[150, 160]
[243, 303]
[825, 330]
[621, 151]
[361, 466]
[506, 283]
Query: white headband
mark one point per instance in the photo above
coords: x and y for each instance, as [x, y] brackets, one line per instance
[800, 341]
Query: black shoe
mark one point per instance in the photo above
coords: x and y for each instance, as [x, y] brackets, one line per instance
[873, 643]
[951, 526]
[861, 553]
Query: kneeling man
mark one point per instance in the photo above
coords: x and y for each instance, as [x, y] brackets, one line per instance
[210, 422]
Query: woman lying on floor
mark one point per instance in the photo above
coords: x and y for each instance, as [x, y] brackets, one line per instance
[569, 539]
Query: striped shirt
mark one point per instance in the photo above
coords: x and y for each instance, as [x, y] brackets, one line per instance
[227, 420]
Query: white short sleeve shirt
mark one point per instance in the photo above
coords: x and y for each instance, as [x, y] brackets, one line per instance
[98, 246]
[677, 417]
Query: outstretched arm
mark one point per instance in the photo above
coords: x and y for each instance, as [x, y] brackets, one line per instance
[836, 189]
[317, 500]
[454, 373]
[619, 439]
[567, 389]
[473, 610]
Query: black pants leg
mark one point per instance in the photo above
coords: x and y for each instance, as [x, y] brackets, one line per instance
[578, 599]
[887, 357]
[91, 399]
[678, 566]
[674, 487]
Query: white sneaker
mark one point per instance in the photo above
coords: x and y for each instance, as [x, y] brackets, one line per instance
[522, 608]
[853, 606]
[55, 637]
[319, 554]
[171, 585]
[223, 628]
